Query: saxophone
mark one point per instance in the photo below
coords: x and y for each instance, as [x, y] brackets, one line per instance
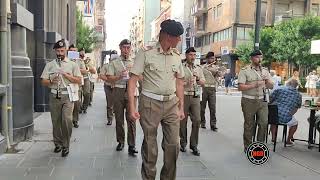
[58, 95]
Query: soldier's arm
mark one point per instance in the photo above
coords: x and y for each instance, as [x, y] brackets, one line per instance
[180, 92]
[201, 81]
[132, 84]
[45, 77]
[111, 74]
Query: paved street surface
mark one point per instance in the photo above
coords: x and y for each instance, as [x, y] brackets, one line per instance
[93, 155]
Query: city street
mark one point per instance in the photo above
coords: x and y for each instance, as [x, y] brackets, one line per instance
[93, 155]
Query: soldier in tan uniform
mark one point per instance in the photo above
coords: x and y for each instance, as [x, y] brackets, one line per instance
[77, 104]
[86, 85]
[193, 79]
[253, 81]
[118, 73]
[108, 88]
[211, 73]
[161, 100]
[57, 75]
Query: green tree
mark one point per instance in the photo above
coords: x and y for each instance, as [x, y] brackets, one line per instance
[86, 36]
[292, 40]
[243, 51]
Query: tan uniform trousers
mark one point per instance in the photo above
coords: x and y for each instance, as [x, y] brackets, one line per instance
[255, 111]
[86, 94]
[192, 107]
[91, 92]
[109, 97]
[152, 113]
[61, 116]
[77, 106]
[121, 104]
[209, 95]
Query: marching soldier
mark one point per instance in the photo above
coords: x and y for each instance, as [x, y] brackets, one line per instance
[86, 85]
[253, 81]
[77, 104]
[108, 89]
[211, 73]
[161, 100]
[118, 73]
[57, 75]
[193, 78]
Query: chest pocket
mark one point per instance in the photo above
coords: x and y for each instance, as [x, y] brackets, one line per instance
[252, 76]
[155, 67]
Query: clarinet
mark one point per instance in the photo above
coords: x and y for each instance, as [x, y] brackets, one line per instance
[58, 95]
[264, 89]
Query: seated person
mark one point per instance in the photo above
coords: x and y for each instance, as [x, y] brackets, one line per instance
[317, 122]
[289, 100]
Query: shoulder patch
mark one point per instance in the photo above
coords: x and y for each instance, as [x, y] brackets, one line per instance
[176, 51]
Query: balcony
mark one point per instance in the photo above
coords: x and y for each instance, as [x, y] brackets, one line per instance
[199, 10]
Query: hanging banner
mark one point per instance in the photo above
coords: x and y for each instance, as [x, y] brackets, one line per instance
[88, 8]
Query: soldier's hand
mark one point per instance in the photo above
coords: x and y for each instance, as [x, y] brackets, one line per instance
[55, 80]
[134, 116]
[259, 84]
[124, 73]
[180, 114]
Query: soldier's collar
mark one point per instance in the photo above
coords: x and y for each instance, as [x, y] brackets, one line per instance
[123, 59]
[161, 51]
[187, 64]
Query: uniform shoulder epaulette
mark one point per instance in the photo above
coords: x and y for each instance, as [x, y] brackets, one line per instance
[245, 67]
[147, 48]
[176, 51]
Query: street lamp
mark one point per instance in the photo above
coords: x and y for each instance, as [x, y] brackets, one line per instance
[257, 25]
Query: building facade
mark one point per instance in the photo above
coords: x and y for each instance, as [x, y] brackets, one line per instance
[35, 26]
[222, 25]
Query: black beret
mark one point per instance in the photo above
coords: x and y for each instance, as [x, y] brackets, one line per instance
[172, 27]
[190, 49]
[256, 53]
[125, 41]
[209, 54]
[59, 44]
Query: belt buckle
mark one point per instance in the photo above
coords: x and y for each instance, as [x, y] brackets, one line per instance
[166, 98]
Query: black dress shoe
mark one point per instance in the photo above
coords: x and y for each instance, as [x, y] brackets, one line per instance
[57, 149]
[75, 124]
[65, 152]
[109, 123]
[120, 147]
[80, 112]
[214, 128]
[84, 111]
[203, 126]
[90, 104]
[195, 151]
[183, 149]
[132, 150]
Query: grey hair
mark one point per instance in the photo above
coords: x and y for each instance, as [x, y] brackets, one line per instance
[293, 83]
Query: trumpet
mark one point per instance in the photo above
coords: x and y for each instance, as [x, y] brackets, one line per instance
[58, 95]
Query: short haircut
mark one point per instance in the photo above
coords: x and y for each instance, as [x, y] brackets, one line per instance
[209, 54]
[190, 49]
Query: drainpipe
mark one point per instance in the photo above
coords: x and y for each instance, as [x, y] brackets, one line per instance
[9, 95]
[4, 66]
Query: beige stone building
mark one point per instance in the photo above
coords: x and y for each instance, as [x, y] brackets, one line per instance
[222, 25]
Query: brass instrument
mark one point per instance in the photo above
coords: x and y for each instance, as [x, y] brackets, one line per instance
[58, 95]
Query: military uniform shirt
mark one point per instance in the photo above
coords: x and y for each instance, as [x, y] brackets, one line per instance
[67, 66]
[159, 70]
[249, 75]
[116, 67]
[210, 73]
[103, 71]
[189, 74]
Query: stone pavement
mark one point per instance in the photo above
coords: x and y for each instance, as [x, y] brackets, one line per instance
[93, 155]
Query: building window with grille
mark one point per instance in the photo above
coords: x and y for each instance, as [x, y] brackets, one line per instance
[315, 9]
[243, 33]
[219, 10]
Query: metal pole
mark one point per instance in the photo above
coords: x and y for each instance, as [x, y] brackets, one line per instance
[4, 67]
[9, 100]
[257, 25]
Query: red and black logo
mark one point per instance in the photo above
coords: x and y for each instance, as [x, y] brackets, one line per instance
[258, 153]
